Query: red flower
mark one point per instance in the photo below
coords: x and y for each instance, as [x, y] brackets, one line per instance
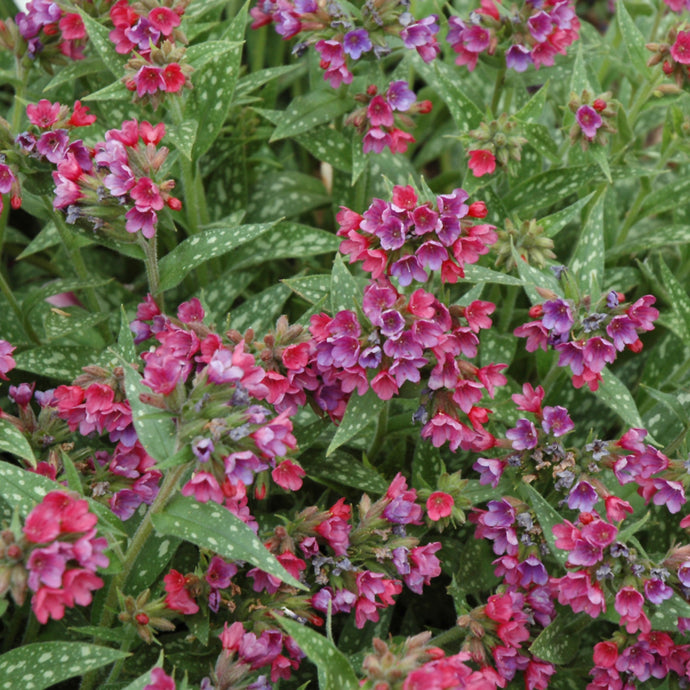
[482, 162]
[439, 505]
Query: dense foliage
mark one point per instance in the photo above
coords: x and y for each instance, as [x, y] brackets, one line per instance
[344, 344]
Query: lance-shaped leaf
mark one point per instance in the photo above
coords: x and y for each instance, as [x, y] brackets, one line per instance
[43, 664]
[587, 263]
[13, 441]
[616, 395]
[360, 413]
[98, 35]
[214, 527]
[345, 293]
[335, 671]
[194, 251]
[559, 641]
[547, 516]
[633, 39]
[57, 362]
[309, 111]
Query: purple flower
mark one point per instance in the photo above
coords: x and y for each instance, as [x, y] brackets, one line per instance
[407, 268]
[306, 6]
[612, 300]
[684, 574]
[622, 331]
[53, 144]
[490, 470]
[540, 26]
[657, 591]
[585, 554]
[582, 497]
[523, 436]
[357, 42]
[532, 571]
[571, 355]
[432, 254]
[669, 493]
[499, 514]
[597, 353]
[399, 96]
[202, 448]
[556, 421]
[558, 316]
[589, 121]
[518, 57]
[392, 323]
[392, 233]
[46, 566]
[476, 39]
[375, 140]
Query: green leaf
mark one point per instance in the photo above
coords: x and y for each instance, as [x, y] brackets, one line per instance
[125, 340]
[201, 53]
[287, 241]
[59, 324]
[547, 517]
[335, 672]
[342, 468]
[552, 186]
[286, 194]
[311, 110]
[212, 242]
[427, 465]
[260, 311]
[214, 527]
[616, 395]
[328, 145]
[666, 614]
[587, 262]
[533, 109]
[310, 288]
[578, 79]
[71, 72]
[679, 300]
[214, 87]
[183, 137]
[541, 139]
[155, 430]
[116, 91]
[559, 642]
[345, 293]
[554, 223]
[98, 36]
[255, 80]
[668, 197]
[47, 237]
[60, 362]
[13, 441]
[361, 411]
[533, 278]
[444, 79]
[109, 635]
[43, 664]
[55, 287]
[634, 528]
[633, 40]
[662, 236]
[479, 274]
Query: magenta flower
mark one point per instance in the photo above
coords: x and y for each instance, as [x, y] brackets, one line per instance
[589, 121]
[557, 421]
[439, 505]
[523, 435]
[7, 362]
[680, 50]
[558, 316]
[518, 57]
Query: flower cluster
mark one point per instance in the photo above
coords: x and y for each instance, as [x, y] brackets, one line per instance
[531, 36]
[407, 240]
[230, 436]
[341, 38]
[153, 38]
[379, 120]
[588, 337]
[594, 117]
[56, 556]
[50, 31]
[119, 173]
[673, 54]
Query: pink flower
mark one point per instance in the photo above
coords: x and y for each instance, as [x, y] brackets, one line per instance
[481, 162]
[204, 487]
[43, 114]
[680, 50]
[49, 602]
[160, 681]
[7, 362]
[288, 475]
[439, 505]
[177, 597]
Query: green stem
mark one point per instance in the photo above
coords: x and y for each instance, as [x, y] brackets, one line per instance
[196, 209]
[79, 267]
[150, 248]
[498, 88]
[135, 546]
[445, 638]
[23, 77]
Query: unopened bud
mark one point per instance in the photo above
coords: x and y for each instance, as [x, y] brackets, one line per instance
[477, 209]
